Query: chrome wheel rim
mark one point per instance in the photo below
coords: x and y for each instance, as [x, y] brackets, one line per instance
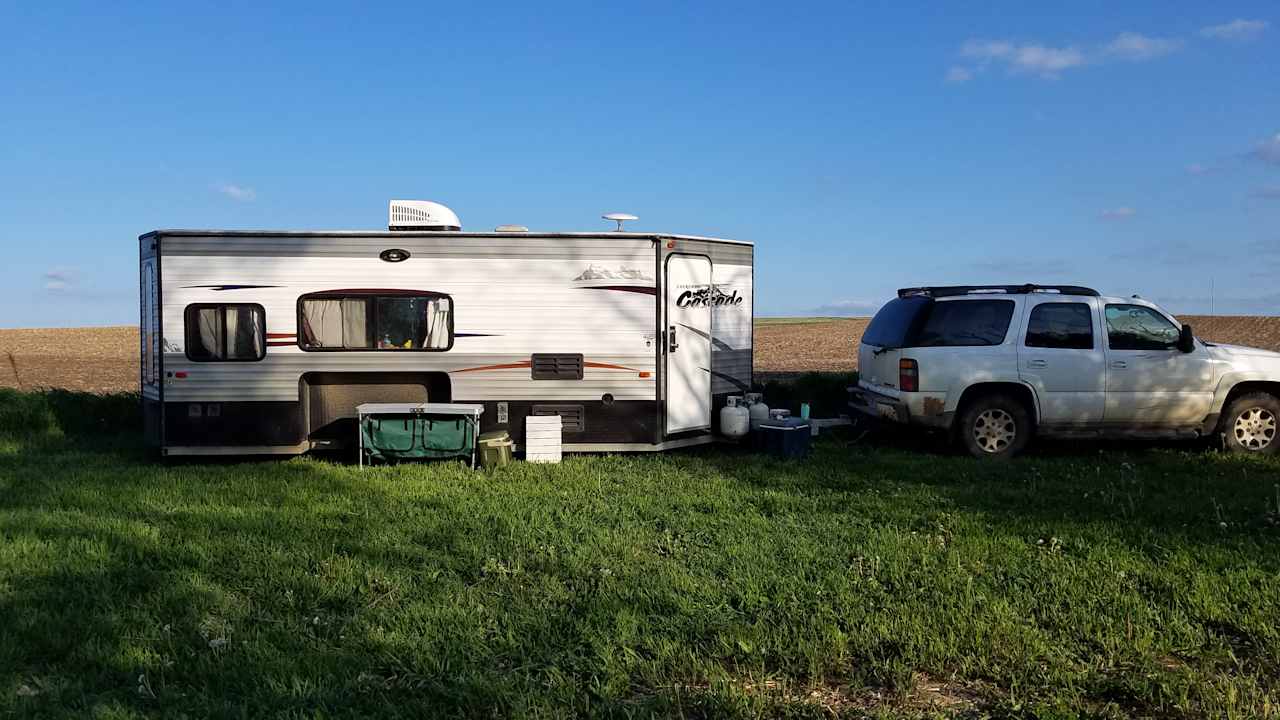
[1255, 428]
[994, 430]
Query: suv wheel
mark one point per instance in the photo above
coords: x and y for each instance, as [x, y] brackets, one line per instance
[995, 427]
[1252, 423]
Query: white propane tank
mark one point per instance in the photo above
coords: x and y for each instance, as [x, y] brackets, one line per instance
[757, 410]
[735, 419]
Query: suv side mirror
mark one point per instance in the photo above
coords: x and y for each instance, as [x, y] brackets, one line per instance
[1186, 340]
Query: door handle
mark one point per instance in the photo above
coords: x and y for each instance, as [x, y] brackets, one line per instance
[1037, 363]
[1119, 364]
[671, 339]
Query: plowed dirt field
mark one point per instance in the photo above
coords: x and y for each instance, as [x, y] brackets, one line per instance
[106, 359]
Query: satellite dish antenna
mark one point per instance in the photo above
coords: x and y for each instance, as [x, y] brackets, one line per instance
[619, 218]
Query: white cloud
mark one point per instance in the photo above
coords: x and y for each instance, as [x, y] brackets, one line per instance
[1237, 30]
[59, 279]
[1048, 61]
[237, 192]
[1269, 150]
[1138, 48]
[1028, 58]
[957, 74]
[1120, 213]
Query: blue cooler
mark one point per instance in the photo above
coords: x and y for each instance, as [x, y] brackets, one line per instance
[786, 438]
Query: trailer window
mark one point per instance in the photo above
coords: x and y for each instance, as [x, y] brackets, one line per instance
[217, 333]
[376, 321]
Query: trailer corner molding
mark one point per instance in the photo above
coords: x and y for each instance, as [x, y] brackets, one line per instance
[394, 255]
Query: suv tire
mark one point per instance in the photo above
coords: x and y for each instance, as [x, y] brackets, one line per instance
[994, 427]
[1252, 424]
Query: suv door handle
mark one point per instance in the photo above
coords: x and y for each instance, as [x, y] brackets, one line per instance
[1119, 364]
[1037, 363]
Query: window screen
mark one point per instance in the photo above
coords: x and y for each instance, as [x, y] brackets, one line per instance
[403, 321]
[225, 332]
[1134, 327]
[1064, 326]
[959, 323]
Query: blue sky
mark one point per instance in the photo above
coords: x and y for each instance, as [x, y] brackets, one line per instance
[862, 147]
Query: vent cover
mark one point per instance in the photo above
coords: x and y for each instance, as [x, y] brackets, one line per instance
[572, 418]
[421, 215]
[556, 366]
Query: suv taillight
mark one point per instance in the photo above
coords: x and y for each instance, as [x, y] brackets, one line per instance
[908, 375]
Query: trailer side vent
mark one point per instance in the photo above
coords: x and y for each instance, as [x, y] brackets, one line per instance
[572, 418]
[556, 366]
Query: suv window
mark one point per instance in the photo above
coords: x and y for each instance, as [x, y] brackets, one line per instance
[961, 323]
[892, 325]
[1064, 326]
[1135, 327]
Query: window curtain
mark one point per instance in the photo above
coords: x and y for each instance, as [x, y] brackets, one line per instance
[355, 323]
[437, 325]
[324, 318]
[210, 331]
[245, 333]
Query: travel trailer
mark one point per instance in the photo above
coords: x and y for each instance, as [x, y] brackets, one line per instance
[257, 342]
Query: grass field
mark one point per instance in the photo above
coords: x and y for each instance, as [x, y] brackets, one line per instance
[869, 579]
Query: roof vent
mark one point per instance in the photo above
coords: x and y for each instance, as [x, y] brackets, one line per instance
[421, 215]
[511, 228]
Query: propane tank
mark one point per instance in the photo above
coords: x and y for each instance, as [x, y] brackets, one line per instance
[756, 409]
[735, 419]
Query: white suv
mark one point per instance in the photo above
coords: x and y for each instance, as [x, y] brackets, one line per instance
[998, 364]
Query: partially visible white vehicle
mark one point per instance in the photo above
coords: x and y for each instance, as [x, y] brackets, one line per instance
[999, 364]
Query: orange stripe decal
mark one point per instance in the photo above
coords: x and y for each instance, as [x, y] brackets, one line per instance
[607, 366]
[507, 366]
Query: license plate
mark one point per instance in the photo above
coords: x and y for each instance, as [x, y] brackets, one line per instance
[887, 411]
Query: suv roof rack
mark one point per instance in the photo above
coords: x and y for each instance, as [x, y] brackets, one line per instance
[953, 290]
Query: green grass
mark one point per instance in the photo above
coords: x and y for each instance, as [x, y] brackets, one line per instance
[796, 320]
[1073, 583]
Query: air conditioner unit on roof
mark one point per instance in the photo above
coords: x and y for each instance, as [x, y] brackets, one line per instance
[421, 215]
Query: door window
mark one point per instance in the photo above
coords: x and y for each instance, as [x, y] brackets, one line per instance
[1064, 326]
[1136, 327]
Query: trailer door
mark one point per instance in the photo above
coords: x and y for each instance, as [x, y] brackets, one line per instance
[688, 362]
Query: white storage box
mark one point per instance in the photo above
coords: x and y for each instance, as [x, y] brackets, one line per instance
[542, 438]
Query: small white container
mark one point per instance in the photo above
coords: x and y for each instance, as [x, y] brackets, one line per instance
[542, 438]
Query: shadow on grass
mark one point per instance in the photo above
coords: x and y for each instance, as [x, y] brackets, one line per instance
[1142, 491]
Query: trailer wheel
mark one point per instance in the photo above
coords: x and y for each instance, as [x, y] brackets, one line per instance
[994, 427]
